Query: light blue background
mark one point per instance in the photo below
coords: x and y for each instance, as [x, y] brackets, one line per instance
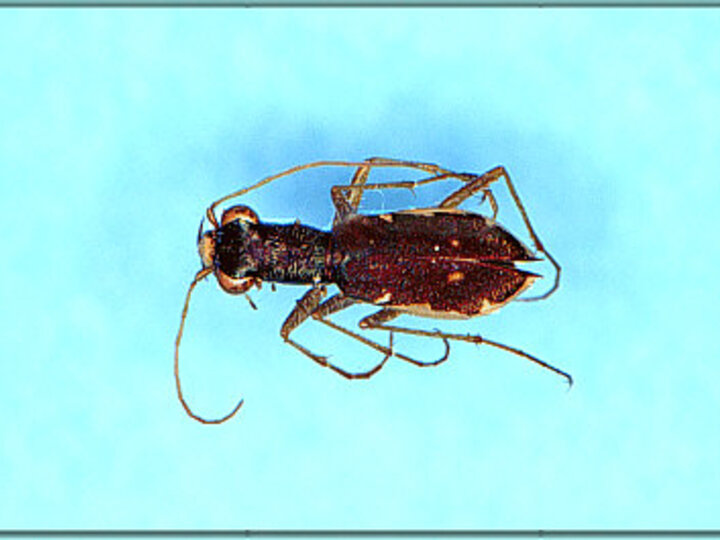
[120, 127]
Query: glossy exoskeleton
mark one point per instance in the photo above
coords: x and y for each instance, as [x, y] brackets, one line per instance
[439, 262]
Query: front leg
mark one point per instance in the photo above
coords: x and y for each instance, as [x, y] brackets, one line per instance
[300, 313]
[310, 306]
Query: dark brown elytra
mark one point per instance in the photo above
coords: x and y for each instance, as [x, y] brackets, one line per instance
[439, 262]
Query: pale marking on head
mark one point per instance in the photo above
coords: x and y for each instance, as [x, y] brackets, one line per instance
[206, 249]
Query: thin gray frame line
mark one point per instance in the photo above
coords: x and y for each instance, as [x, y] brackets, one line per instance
[367, 533]
[522, 4]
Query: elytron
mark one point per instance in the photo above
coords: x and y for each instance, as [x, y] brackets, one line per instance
[438, 262]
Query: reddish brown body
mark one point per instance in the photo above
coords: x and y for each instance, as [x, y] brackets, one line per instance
[439, 262]
[435, 263]
[430, 262]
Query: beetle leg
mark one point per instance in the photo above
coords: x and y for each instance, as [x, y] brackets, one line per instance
[337, 303]
[474, 183]
[359, 179]
[488, 194]
[347, 202]
[305, 306]
[346, 198]
[309, 306]
[370, 163]
[377, 320]
[476, 339]
[423, 166]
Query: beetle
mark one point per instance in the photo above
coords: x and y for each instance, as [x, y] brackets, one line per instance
[438, 262]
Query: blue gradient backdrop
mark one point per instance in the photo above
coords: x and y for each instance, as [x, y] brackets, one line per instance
[119, 127]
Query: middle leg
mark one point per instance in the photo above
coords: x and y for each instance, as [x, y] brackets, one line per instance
[346, 198]
[310, 306]
[378, 319]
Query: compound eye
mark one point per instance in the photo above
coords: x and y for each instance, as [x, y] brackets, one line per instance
[236, 285]
[239, 212]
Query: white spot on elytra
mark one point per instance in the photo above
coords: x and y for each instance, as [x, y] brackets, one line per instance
[383, 299]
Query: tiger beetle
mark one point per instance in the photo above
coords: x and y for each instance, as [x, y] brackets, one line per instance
[439, 262]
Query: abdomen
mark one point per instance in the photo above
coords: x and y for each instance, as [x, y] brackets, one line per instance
[434, 263]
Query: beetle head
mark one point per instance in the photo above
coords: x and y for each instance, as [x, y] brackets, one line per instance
[223, 250]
